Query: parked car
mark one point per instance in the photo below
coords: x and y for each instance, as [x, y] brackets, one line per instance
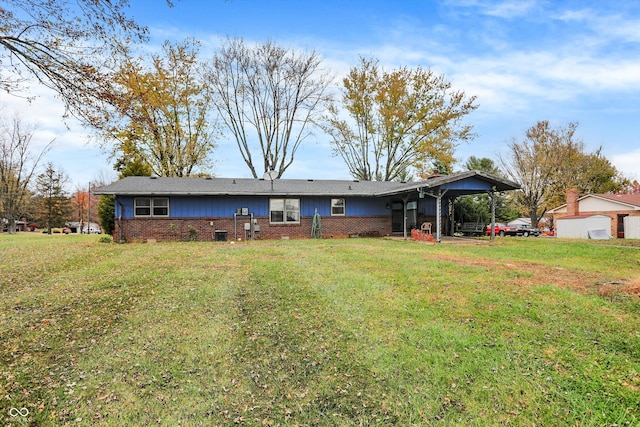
[502, 229]
[92, 230]
[527, 230]
[58, 230]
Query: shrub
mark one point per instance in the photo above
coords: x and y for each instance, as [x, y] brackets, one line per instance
[107, 213]
[105, 239]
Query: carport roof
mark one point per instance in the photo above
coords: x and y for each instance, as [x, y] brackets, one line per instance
[458, 184]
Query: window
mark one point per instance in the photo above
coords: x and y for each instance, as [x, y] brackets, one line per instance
[284, 211]
[142, 207]
[160, 207]
[337, 207]
[151, 206]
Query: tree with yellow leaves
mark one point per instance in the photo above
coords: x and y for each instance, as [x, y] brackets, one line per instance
[400, 121]
[160, 118]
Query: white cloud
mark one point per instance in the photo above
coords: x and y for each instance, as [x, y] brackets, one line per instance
[575, 15]
[608, 27]
[506, 9]
[627, 163]
[71, 151]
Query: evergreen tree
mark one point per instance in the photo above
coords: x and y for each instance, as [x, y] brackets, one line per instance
[55, 207]
[107, 213]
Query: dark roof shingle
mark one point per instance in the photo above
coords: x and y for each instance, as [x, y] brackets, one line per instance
[244, 186]
[140, 185]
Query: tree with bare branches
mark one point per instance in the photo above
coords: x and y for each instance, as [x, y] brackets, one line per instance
[19, 160]
[550, 160]
[268, 97]
[63, 45]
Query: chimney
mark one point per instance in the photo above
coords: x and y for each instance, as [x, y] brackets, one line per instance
[572, 202]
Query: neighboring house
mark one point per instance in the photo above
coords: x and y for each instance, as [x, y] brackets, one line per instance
[181, 209]
[20, 225]
[620, 211]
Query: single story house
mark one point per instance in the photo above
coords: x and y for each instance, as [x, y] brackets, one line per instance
[619, 208]
[20, 225]
[181, 209]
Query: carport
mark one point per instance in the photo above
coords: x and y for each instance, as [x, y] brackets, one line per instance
[444, 189]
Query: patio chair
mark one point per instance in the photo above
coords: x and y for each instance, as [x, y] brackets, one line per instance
[426, 227]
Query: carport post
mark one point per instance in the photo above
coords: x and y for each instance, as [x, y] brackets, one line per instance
[438, 198]
[492, 195]
[452, 216]
[439, 215]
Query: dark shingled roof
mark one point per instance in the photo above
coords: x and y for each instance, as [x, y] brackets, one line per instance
[138, 185]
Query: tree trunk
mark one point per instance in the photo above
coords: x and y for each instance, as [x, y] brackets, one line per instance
[11, 226]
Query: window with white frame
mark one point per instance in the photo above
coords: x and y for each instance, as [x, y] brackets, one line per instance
[337, 207]
[151, 206]
[284, 211]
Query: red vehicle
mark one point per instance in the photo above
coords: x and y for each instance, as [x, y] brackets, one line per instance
[502, 229]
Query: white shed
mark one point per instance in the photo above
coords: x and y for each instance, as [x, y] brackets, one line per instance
[632, 227]
[584, 227]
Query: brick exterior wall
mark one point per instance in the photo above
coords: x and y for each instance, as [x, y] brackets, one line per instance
[204, 229]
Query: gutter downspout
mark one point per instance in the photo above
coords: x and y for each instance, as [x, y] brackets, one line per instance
[120, 230]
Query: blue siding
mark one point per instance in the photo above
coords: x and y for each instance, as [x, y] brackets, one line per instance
[427, 206]
[472, 183]
[354, 206]
[226, 206]
[124, 206]
[208, 206]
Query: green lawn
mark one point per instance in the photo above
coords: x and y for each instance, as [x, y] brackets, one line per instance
[354, 332]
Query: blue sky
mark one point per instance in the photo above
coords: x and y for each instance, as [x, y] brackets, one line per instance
[525, 60]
